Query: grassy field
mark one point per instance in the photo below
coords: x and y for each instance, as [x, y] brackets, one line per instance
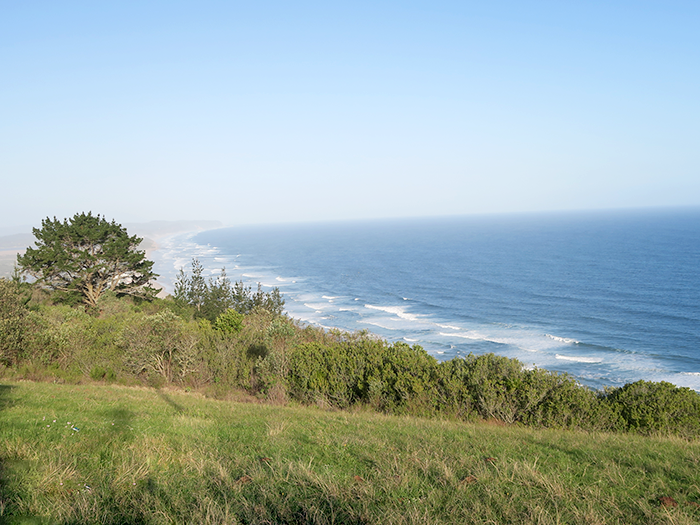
[110, 454]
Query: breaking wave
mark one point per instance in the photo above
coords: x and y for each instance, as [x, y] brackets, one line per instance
[579, 359]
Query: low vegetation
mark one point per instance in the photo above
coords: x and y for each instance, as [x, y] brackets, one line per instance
[74, 454]
[168, 342]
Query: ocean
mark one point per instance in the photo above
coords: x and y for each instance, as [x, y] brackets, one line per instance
[608, 297]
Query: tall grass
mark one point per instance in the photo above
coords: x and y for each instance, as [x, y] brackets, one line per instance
[110, 454]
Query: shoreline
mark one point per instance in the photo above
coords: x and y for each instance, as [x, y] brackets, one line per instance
[156, 233]
[331, 277]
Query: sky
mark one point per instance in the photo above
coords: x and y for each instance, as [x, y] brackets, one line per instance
[267, 112]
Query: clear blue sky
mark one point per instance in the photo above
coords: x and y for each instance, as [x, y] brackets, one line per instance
[269, 111]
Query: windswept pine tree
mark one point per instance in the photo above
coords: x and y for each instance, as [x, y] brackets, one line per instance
[84, 256]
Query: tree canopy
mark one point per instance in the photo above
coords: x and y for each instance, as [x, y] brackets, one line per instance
[84, 256]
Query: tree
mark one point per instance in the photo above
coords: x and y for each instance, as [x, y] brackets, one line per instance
[85, 256]
[217, 296]
[193, 289]
[213, 298]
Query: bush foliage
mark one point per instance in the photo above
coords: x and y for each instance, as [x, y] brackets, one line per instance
[13, 322]
[269, 355]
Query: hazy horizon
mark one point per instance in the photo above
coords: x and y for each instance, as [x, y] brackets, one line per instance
[14, 229]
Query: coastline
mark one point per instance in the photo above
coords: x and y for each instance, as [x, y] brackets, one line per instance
[157, 238]
[331, 277]
[460, 286]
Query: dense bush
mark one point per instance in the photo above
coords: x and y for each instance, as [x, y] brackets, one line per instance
[229, 321]
[275, 357]
[561, 402]
[161, 344]
[389, 377]
[495, 387]
[13, 322]
[324, 373]
[649, 407]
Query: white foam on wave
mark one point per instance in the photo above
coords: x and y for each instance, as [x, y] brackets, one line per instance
[180, 263]
[476, 336]
[448, 326]
[410, 340]
[562, 339]
[329, 297]
[396, 310]
[316, 306]
[467, 335]
[251, 275]
[680, 379]
[522, 343]
[376, 324]
[345, 309]
[280, 279]
[579, 359]
[278, 285]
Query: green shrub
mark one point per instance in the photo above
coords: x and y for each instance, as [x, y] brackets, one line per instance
[109, 305]
[404, 381]
[649, 407]
[14, 323]
[281, 329]
[224, 362]
[388, 377]
[492, 385]
[322, 372]
[496, 387]
[97, 373]
[161, 344]
[562, 402]
[230, 322]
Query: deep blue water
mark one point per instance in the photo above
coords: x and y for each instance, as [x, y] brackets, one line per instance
[610, 297]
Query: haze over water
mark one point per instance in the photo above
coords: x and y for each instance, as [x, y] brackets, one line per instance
[609, 297]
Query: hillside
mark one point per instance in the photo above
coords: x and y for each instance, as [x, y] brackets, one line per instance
[114, 454]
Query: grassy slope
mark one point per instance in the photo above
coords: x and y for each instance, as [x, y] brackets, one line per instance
[152, 456]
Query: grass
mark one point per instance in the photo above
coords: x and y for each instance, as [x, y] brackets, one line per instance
[107, 454]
